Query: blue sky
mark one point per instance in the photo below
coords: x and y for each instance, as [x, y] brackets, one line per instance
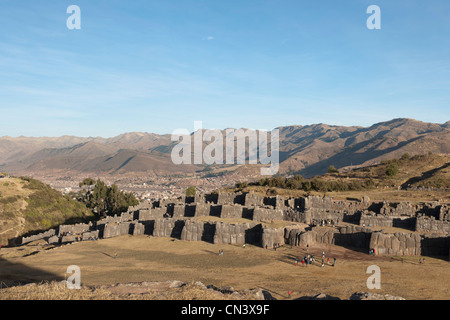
[156, 66]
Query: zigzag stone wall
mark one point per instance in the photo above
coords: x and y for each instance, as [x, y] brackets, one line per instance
[402, 244]
[172, 218]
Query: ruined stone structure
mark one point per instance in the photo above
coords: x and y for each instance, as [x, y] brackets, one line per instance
[342, 223]
[45, 235]
[348, 236]
[430, 224]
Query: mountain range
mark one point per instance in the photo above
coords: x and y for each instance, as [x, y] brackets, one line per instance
[307, 150]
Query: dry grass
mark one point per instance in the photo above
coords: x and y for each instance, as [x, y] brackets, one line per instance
[58, 290]
[148, 259]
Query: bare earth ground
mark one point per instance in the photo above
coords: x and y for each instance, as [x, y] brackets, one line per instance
[144, 258]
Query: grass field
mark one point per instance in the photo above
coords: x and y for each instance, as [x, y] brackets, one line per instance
[143, 258]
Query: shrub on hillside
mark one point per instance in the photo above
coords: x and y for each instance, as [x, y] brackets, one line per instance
[392, 169]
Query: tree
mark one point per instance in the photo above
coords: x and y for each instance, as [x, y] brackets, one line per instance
[332, 169]
[295, 182]
[190, 192]
[405, 156]
[87, 182]
[104, 200]
[392, 169]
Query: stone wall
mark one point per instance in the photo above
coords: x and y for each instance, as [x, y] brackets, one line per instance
[292, 236]
[435, 245]
[348, 236]
[230, 198]
[202, 210]
[253, 200]
[178, 211]
[302, 209]
[168, 228]
[231, 211]
[238, 233]
[430, 224]
[294, 215]
[315, 215]
[114, 229]
[150, 213]
[277, 202]
[403, 244]
[43, 235]
[270, 237]
[198, 231]
[74, 229]
[90, 235]
[170, 218]
[399, 209]
[376, 221]
[353, 237]
[444, 213]
[324, 208]
[327, 203]
[267, 214]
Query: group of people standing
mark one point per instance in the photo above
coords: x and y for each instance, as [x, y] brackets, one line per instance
[310, 259]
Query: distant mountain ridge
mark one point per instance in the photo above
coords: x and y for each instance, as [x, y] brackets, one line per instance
[308, 150]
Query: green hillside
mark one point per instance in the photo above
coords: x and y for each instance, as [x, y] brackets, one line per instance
[428, 171]
[28, 205]
[410, 178]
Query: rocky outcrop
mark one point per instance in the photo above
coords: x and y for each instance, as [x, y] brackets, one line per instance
[373, 296]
